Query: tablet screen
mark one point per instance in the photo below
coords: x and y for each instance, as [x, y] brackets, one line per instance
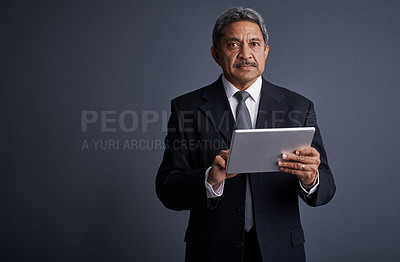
[258, 150]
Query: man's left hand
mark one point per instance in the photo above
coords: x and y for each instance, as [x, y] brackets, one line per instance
[303, 163]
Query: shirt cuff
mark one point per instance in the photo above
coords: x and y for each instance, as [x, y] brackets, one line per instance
[213, 192]
[310, 191]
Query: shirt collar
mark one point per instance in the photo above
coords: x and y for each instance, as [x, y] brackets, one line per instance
[254, 90]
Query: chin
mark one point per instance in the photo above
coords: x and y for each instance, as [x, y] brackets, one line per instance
[247, 77]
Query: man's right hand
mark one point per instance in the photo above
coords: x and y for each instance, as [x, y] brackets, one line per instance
[217, 172]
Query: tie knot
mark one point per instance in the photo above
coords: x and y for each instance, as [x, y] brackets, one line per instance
[241, 95]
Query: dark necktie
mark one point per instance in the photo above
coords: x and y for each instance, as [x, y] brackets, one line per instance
[243, 121]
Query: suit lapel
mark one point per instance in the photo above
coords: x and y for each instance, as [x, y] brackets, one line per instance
[272, 107]
[271, 112]
[217, 109]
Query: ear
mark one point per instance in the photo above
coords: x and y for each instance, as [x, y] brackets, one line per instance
[215, 54]
[266, 52]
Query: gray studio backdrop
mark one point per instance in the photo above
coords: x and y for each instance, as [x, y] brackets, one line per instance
[85, 88]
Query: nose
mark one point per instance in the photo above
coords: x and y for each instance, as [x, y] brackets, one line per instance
[245, 52]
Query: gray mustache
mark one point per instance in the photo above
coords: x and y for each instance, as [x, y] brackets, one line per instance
[241, 63]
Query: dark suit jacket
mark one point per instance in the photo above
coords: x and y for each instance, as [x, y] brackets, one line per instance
[201, 125]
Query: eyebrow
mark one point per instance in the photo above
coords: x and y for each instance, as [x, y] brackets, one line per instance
[234, 39]
[237, 39]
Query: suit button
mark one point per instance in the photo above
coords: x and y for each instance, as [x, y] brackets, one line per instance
[240, 209]
[239, 244]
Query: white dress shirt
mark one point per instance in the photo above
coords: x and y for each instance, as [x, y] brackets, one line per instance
[252, 104]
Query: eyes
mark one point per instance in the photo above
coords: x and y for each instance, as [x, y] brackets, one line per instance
[235, 45]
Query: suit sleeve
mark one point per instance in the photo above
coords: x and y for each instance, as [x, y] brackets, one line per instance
[178, 185]
[326, 188]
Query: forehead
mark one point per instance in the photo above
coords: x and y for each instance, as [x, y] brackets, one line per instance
[242, 29]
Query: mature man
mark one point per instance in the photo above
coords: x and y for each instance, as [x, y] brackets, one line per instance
[240, 217]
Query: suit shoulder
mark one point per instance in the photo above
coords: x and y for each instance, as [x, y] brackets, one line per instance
[288, 94]
[192, 95]
[196, 96]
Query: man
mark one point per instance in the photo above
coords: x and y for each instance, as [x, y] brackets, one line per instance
[240, 217]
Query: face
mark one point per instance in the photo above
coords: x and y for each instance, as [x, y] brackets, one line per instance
[241, 54]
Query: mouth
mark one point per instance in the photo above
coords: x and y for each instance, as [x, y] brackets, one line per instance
[244, 65]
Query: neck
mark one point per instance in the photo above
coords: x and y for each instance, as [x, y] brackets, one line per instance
[242, 85]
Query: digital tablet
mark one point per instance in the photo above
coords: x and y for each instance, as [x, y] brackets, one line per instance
[258, 150]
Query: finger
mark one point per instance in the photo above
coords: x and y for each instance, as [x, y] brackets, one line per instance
[296, 165]
[224, 155]
[303, 159]
[302, 175]
[299, 166]
[219, 160]
[307, 151]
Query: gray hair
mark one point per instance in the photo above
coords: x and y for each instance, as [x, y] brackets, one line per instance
[236, 14]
